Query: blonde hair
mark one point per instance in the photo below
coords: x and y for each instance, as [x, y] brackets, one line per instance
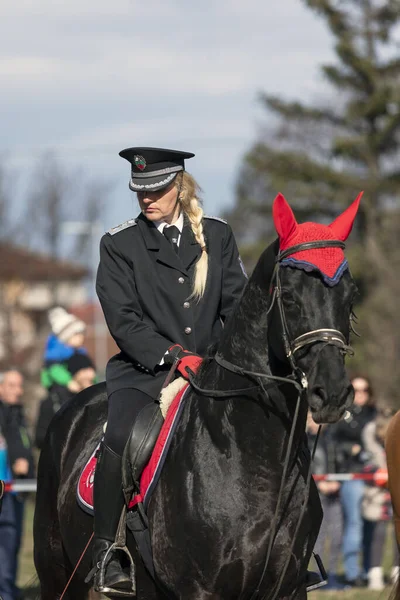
[189, 191]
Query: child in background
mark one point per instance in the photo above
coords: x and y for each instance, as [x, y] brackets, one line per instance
[66, 340]
[83, 375]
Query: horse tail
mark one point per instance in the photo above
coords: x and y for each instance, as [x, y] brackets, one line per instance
[392, 447]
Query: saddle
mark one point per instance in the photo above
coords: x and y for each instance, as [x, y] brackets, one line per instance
[150, 436]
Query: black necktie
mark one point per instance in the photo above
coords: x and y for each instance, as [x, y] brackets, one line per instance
[172, 235]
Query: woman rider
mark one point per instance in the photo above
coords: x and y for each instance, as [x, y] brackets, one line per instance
[167, 281]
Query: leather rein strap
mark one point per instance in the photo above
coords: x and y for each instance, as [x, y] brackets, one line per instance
[297, 378]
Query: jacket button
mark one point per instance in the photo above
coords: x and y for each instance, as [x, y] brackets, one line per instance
[186, 305]
[188, 330]
[181, 280]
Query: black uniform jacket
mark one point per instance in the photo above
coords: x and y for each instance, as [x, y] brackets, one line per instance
[144, 288]
[347, 433]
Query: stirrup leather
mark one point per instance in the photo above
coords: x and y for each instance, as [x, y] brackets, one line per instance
[316, 580]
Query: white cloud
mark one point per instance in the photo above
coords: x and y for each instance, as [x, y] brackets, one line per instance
[22, 67]
[86, 77]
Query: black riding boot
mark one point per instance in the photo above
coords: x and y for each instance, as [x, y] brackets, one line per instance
[108, 504]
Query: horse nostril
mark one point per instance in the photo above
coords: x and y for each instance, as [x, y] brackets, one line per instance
[318, 397]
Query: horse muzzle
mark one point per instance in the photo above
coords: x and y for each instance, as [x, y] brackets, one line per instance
[329, 407]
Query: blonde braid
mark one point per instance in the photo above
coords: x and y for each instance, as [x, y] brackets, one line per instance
[188, 196]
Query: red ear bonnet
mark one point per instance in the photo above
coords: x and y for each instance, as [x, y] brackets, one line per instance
[284, 219]
[331, 262]
[343, 224]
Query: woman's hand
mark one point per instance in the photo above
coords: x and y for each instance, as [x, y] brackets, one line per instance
[189, 362]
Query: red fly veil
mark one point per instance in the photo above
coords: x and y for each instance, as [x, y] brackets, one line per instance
[330, 262]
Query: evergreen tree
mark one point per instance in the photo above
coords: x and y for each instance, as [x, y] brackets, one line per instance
[320, 157]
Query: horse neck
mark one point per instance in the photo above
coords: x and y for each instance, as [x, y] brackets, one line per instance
[245, 338]
[245, 343]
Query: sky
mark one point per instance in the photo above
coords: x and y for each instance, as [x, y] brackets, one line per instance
[85, 79]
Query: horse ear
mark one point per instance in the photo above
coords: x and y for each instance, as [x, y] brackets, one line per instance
[343, 224]
[284, 219]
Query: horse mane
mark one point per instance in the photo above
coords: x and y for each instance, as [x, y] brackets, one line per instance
[249, 318]
[253, 305]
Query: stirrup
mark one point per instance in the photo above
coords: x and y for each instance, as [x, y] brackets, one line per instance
[316, 580]
[100, 572]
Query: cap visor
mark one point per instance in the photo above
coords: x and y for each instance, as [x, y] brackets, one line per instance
[151, 184]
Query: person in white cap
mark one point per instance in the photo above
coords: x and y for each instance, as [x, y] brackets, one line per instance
[66, 340]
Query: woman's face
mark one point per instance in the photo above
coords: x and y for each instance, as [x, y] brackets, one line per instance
[161, 205]
[361, 391]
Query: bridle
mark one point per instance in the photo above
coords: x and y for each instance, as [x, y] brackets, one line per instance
[326, 336]
[298, 378]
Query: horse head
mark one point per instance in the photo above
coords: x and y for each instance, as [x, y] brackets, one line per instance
[312, 293]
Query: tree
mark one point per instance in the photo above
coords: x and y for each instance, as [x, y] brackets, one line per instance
[321, 156]
[55, 195]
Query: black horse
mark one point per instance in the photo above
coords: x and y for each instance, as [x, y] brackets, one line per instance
[236, 513]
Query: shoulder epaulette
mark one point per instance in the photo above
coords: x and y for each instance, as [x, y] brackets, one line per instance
[216, 219]
[118, 228]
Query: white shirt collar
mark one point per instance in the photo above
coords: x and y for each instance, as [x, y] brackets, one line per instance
[178, 223]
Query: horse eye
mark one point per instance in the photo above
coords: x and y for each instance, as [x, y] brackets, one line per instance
[288, 299]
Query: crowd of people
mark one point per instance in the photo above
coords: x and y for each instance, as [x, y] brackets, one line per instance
[67, 369]
[357, 511]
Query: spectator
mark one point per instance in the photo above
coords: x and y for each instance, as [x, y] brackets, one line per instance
[83, 375]
[376, 503]
[351, 458]
[16, 461]
[66, 340]
[332, 523]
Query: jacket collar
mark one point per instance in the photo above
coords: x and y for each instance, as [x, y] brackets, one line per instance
[189, 249]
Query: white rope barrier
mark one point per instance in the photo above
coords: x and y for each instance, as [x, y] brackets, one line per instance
[379, 477]
[21, 485]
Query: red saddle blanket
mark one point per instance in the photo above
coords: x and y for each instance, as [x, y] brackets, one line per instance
[152, 470]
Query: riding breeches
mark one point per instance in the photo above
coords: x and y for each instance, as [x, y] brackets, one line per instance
[123, 407]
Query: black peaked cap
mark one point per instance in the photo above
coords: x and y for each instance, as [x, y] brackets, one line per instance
[154, 168]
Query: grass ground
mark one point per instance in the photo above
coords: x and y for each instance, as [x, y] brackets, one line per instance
[27, 581]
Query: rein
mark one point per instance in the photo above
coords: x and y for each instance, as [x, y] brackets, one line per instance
[326, 336]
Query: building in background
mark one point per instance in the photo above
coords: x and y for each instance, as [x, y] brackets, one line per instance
[30, 284]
